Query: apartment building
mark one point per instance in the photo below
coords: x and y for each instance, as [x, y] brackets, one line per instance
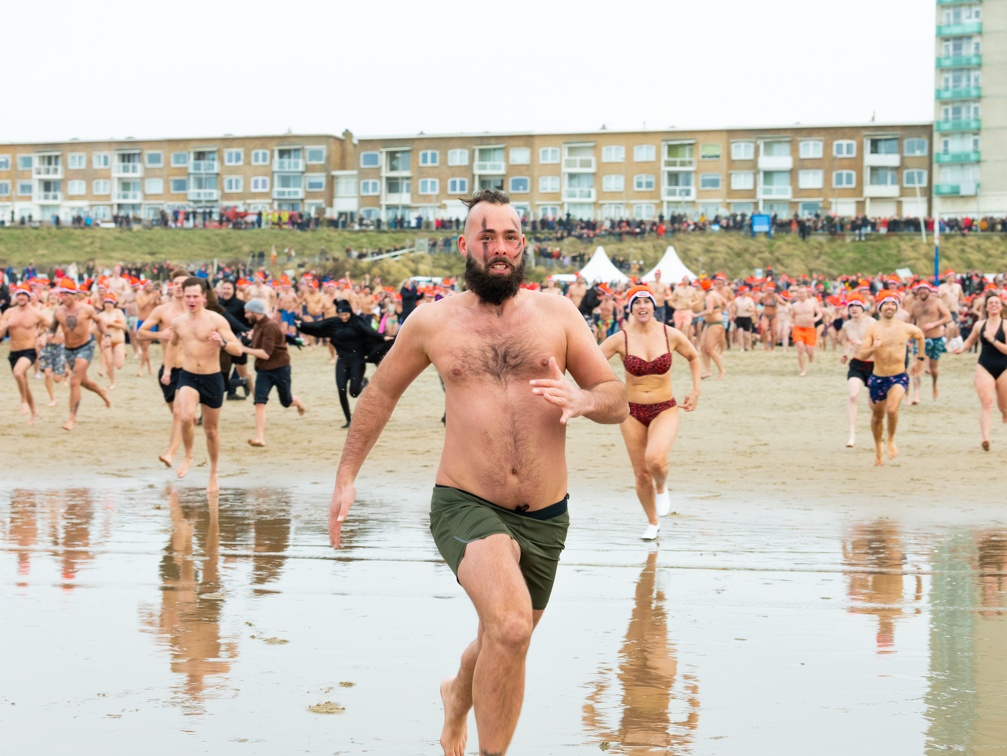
[970, 117]
[873, 169]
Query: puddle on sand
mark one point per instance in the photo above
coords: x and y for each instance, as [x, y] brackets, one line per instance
[162, 620]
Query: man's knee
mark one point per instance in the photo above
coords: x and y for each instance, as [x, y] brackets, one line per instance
[510, 629]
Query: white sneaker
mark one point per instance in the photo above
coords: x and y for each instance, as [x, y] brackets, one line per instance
[651, 532]
[663, 502]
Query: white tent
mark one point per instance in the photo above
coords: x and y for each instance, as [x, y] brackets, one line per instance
[599, 269]
[672, 268]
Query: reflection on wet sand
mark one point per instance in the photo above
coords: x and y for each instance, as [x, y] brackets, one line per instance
[875, 560]
[652, 689]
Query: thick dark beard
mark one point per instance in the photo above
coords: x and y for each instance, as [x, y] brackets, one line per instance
[489, 288]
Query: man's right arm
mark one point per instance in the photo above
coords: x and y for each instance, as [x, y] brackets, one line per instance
[154, 319]
[405, 360]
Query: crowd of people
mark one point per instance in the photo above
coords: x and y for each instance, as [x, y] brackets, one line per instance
[502, 348]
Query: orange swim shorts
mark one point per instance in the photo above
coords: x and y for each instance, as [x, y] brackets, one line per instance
[808, 336]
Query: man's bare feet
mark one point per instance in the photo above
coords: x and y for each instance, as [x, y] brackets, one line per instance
[722, 374]
[166, 460]
[111, 387]
[53, 404]
[213, 486]
[879, 460]
[893, 450]
[301, 409]
[802, 374]
[914, 401]
[104, 396]
[68, 425]
[31, 420]
[936, 394]
[183, 469]
[986, 445]
[456, 716]
[257, 443]
[708, 375]
[851, 442]
[25, 409]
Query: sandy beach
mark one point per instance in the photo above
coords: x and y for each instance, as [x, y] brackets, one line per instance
[800, 599]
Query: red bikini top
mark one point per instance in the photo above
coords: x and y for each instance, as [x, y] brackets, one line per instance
[638, 366]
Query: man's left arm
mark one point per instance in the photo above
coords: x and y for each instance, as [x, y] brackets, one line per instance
[267, 345]
[226, 338]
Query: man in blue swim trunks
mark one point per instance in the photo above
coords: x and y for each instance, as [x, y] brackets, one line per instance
[932, 316]
[499, 510]
[885, 343]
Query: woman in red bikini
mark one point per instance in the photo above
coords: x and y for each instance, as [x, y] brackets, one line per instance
[646, 345]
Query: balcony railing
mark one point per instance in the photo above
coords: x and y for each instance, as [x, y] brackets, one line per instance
[204, 166]
[959, 93]
[960, 30]
[956, 190]
[679, 163]
[204, 195]
[775, 192]
[127, 169]
[678, 193]
[288, 165]
[881, 190]
[483, 167]
[129, 197]
[882, 159]
[397, 198]
[578, 194]
[968, 124]
[959, 61]
[776, 162]
[957, 2]
[47, 171]
[971, 156]
[582, 164]
[48, 196]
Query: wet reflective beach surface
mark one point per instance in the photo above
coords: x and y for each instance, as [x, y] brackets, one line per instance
[161, 621]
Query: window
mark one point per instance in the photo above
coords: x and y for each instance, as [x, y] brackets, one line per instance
[458, 185]
[709, 181]
[743, 179]
[260, 157]
[644, 182]
[613, 183]
[458, 157]
[344, 186]
[314, 155]
[520, 155]
[643, 212]
[153, 186]
[843, 179]
[709, 152]
[520, 185]
[233, 184]
[397, 186]
[5, 163]
[809, 179]
[101, 186]
[24, 188]
[888, 146]
[153, 159]
[260, 183]
[810, 149]
[776, 148]
[915, 147]
[844, 148]
[429, 186]
[914, 177]
[644, 153]
[25, 162]
[100, 160]
[76, 187]
[548, 155]
[613, 153]
[370, 160]
[179, 185]
[76, 161]
[4, 188]
[234, 157]
[548, 183]
[314, 182]
[429, 157]
[742, 151]
[882, 177]
[370, 187]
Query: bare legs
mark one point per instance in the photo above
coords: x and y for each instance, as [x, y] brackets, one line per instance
[990, 390]
[711, 348]
[855, 385]
[20, 372]
[648, 448]
[888, 409]
[78, 378]
[260, 421]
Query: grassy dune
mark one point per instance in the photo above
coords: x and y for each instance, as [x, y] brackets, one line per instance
[735, 254]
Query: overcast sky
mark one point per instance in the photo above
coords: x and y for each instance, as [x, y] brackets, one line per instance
[112, 68]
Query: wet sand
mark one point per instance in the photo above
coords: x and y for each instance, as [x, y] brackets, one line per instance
[800, 599]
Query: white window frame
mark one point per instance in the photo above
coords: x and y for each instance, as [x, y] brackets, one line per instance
[429, 186]
[5, 162]
[644, 153]
[613, 153]
[704, 146]
[370, 188]
[705, 176]
[743, 150]
[171, 185]
[613, 182]
[810, 179]
[260, 157]
[519, 156]
[309, 177]
[806, 149]
[76, 161]
[76, 187]
[548, 184]
[25, 162]
[101, 187]
[905, 147]
[230, 159]
[149, 154]
[153, 186]
[307, 151]
[836, 183]
[430, 159]
[844, 148]
[458, 185]
[260, 184]
[548, 155]
[742, 181]
[458, 157]
[179, 159]
[101, 160]
[905, 177]
[526, 179]
[643, 211]
[641, 179]
[5, 188]
[234, 184]
[24, 188]
[364, 156]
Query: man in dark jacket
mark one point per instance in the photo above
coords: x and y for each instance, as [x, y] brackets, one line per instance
[410, 296]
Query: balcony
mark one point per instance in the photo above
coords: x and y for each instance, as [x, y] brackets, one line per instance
[578, 194]
[48, 197]
[678, 193]
[969, 124]
[960, 93]
[579, 164]
[882, 160]
[129, 197]
[956, 190]
[957, 2]
[881, 191]
[776, 162]
[490, 167]
[775, 192]
[679, 163]
[127, 169]
[288, 165]
[959, 61]
[204, 166]
[48, 171]
[204, 195]
[960, 30]
[957, 157]
[397, 198]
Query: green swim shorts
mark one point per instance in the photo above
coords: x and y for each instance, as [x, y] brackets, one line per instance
[457, 518]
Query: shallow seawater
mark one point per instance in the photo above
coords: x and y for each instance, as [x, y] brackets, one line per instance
[162, 621]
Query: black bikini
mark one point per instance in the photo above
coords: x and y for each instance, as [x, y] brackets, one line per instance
[992, 359]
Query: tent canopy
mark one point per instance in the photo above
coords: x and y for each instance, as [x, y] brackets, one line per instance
[599, 269]
[672, 269]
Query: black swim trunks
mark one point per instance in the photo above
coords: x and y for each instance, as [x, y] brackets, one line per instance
[266, 379]
[13, 357]
[172, 387]
[209, 385]
[862, 369]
